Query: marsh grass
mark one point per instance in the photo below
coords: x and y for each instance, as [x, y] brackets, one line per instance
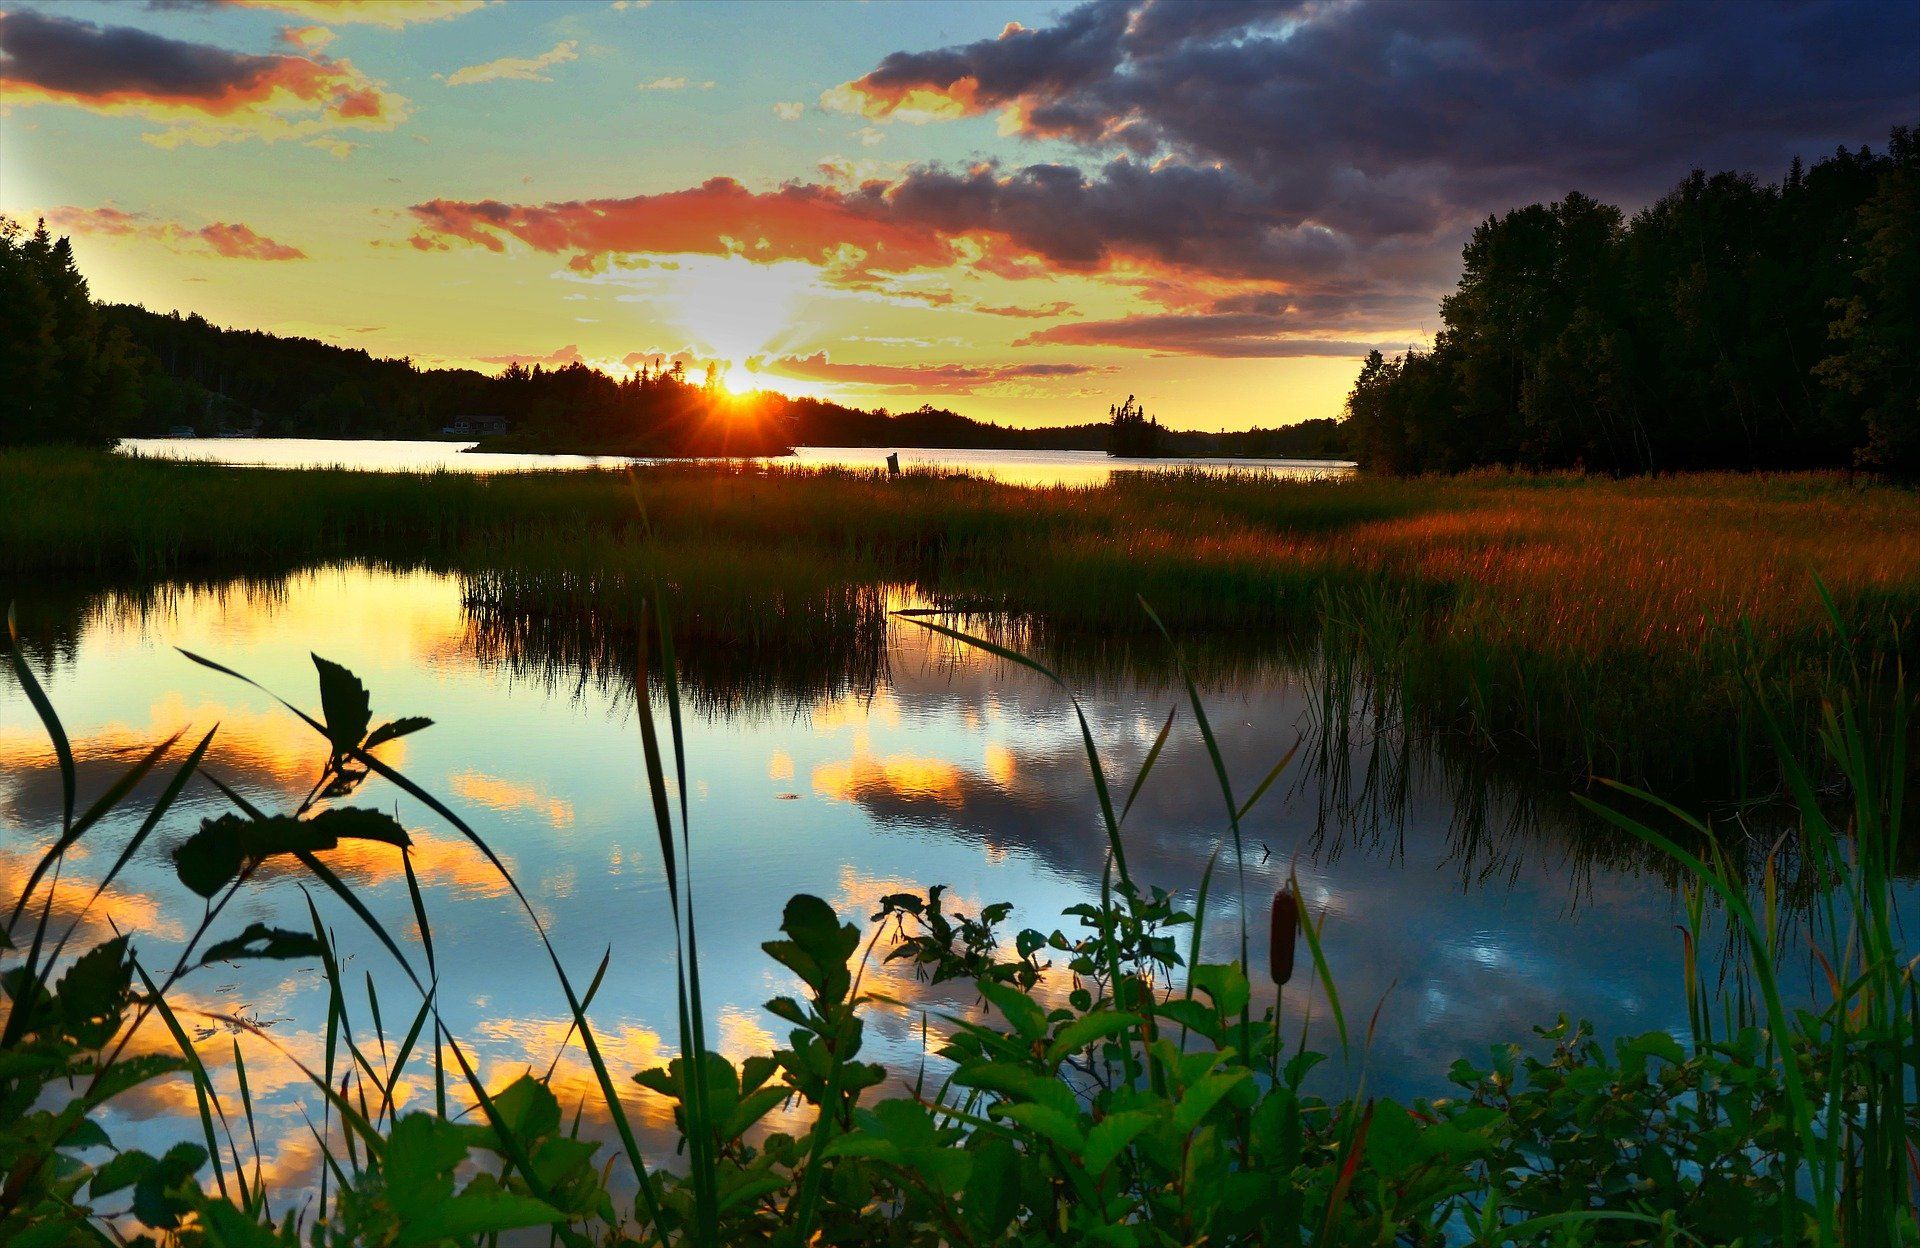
[1590, 627]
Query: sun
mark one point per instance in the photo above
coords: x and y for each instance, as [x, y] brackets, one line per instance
[731, 308]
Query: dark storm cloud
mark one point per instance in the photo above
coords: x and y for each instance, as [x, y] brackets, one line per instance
[1288, 141]
[46, 59]
[83, 61]
[1322, 103]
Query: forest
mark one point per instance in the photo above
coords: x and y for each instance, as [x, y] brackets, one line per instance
[86, 373]
[1730, 324]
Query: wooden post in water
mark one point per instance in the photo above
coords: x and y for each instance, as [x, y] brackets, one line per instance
[893, 463]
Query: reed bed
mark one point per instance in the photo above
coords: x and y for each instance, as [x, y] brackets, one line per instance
[1596, 628]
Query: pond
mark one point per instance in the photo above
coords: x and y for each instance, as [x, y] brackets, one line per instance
[1013, 467]
[1461, 911]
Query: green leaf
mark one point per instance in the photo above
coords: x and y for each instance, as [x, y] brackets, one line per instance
[211, 858]
[93, 992]
[1111, 1135]
[154, 1198]
[1200, 1099]
[1226, 983]
[131, 1072]
[122, 1171]
[422, 1151]
[528, 1109]
[1050, 1124]
[476, 1213]
[1008, 1079]
[227, 1227]
[343, 704]
[1086, 1029]
[1393, 1140]
[261, 941]
[752, 1108]
[992, 1195]
[1020, 1010]
[396, 729]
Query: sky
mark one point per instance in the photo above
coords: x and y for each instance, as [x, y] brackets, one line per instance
[1021, 211]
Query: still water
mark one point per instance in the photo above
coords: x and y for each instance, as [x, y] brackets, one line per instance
[1462, 922]
[1013, 467]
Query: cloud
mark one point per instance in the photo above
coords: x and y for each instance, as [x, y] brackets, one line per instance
[822, 225]
[1024, 223]
[1059, 307]
[1333, 155]
[241, 243]
[392, 14]
[675, 83]
[306, 38]
[208, 94]
[516, 68]
[1342, 145]
[1233, 335]
[569, 354]
[918, 378]
[1324, 104]
[789, 110]
[223, 238]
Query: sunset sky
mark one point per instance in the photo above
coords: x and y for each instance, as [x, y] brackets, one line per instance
[1023, 211]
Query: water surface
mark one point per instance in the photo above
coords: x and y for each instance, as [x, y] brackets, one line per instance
[1462, 913]
[1013, 467]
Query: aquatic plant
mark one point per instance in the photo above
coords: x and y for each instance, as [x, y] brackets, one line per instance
[1589, 627]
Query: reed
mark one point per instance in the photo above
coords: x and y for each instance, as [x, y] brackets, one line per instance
[1592, 627]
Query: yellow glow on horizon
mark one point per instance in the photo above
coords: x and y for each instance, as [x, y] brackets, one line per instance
[731, 308]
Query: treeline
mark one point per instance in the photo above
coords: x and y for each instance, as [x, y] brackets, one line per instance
[66, 373]
[1731, 324]
[79, 372]
[1131, 433]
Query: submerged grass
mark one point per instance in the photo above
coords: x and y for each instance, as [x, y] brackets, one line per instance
[1596, 627]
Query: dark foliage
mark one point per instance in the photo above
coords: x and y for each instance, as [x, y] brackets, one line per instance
[66, 373]
[1132, 434]
[1729, 325]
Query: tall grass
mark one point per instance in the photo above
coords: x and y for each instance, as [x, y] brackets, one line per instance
[1598, 628]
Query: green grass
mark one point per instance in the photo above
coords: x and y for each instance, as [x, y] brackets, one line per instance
[1594, 628]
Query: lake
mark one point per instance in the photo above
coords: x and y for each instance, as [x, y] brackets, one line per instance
[1460, 908]
[1013, 467]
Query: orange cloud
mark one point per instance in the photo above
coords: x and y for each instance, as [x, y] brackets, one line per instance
[306, 38]
[506, 796]
[240, 243]
[822, 225]
[208, 94]
[921, 378]
[897, 775]
[224, 238]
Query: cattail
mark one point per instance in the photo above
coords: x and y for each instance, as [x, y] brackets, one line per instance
[1286, 930]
